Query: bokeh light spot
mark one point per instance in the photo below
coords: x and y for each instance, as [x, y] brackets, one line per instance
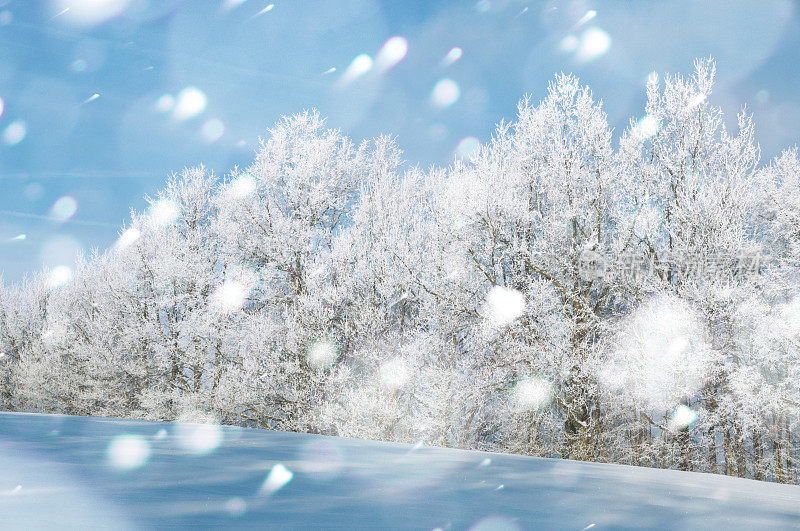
[191, 102]
[127, 238]
[595, 42]
[648, 126]
[278, 477]
[445, 93]
[14, 133]
[483, 6]
[164, 212]
[243, 186]
[394, 374]
[696, 100]
[496, 523]
[391, 53]
[60, 250]
[33, 191]
[504, 306]
[468, 147]
[235, 507]
[360, 65]
[79, 65]
[589, 15]
[322, 354]
[230, 5]
[452, 56]
[198, 439]
[569, 43]
[165, 103]
[682, 417]
[128, 452]
[321, 459]
[87, 13]
[212, 130]
[59, 276]
[532, 393]
[63, 209]
[230, 296]
[266, 9]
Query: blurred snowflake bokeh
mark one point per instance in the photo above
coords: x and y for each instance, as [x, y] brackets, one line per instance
[101, 99]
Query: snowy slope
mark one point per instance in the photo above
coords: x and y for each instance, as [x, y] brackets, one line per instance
[78, 472]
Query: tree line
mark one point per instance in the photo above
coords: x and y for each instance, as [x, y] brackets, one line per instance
[560, 294]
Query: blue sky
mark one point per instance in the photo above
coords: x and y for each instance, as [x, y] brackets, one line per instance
[102, 99]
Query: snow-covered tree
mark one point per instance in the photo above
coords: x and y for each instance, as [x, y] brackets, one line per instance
[552, 295]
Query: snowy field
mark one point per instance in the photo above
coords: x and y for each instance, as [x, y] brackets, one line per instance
[77, 472]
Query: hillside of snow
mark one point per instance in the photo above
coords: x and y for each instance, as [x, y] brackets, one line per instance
[77, 472]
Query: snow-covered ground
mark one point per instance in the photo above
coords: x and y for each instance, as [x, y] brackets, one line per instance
[77, 472]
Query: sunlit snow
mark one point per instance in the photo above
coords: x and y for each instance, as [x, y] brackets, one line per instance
[373, 486]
